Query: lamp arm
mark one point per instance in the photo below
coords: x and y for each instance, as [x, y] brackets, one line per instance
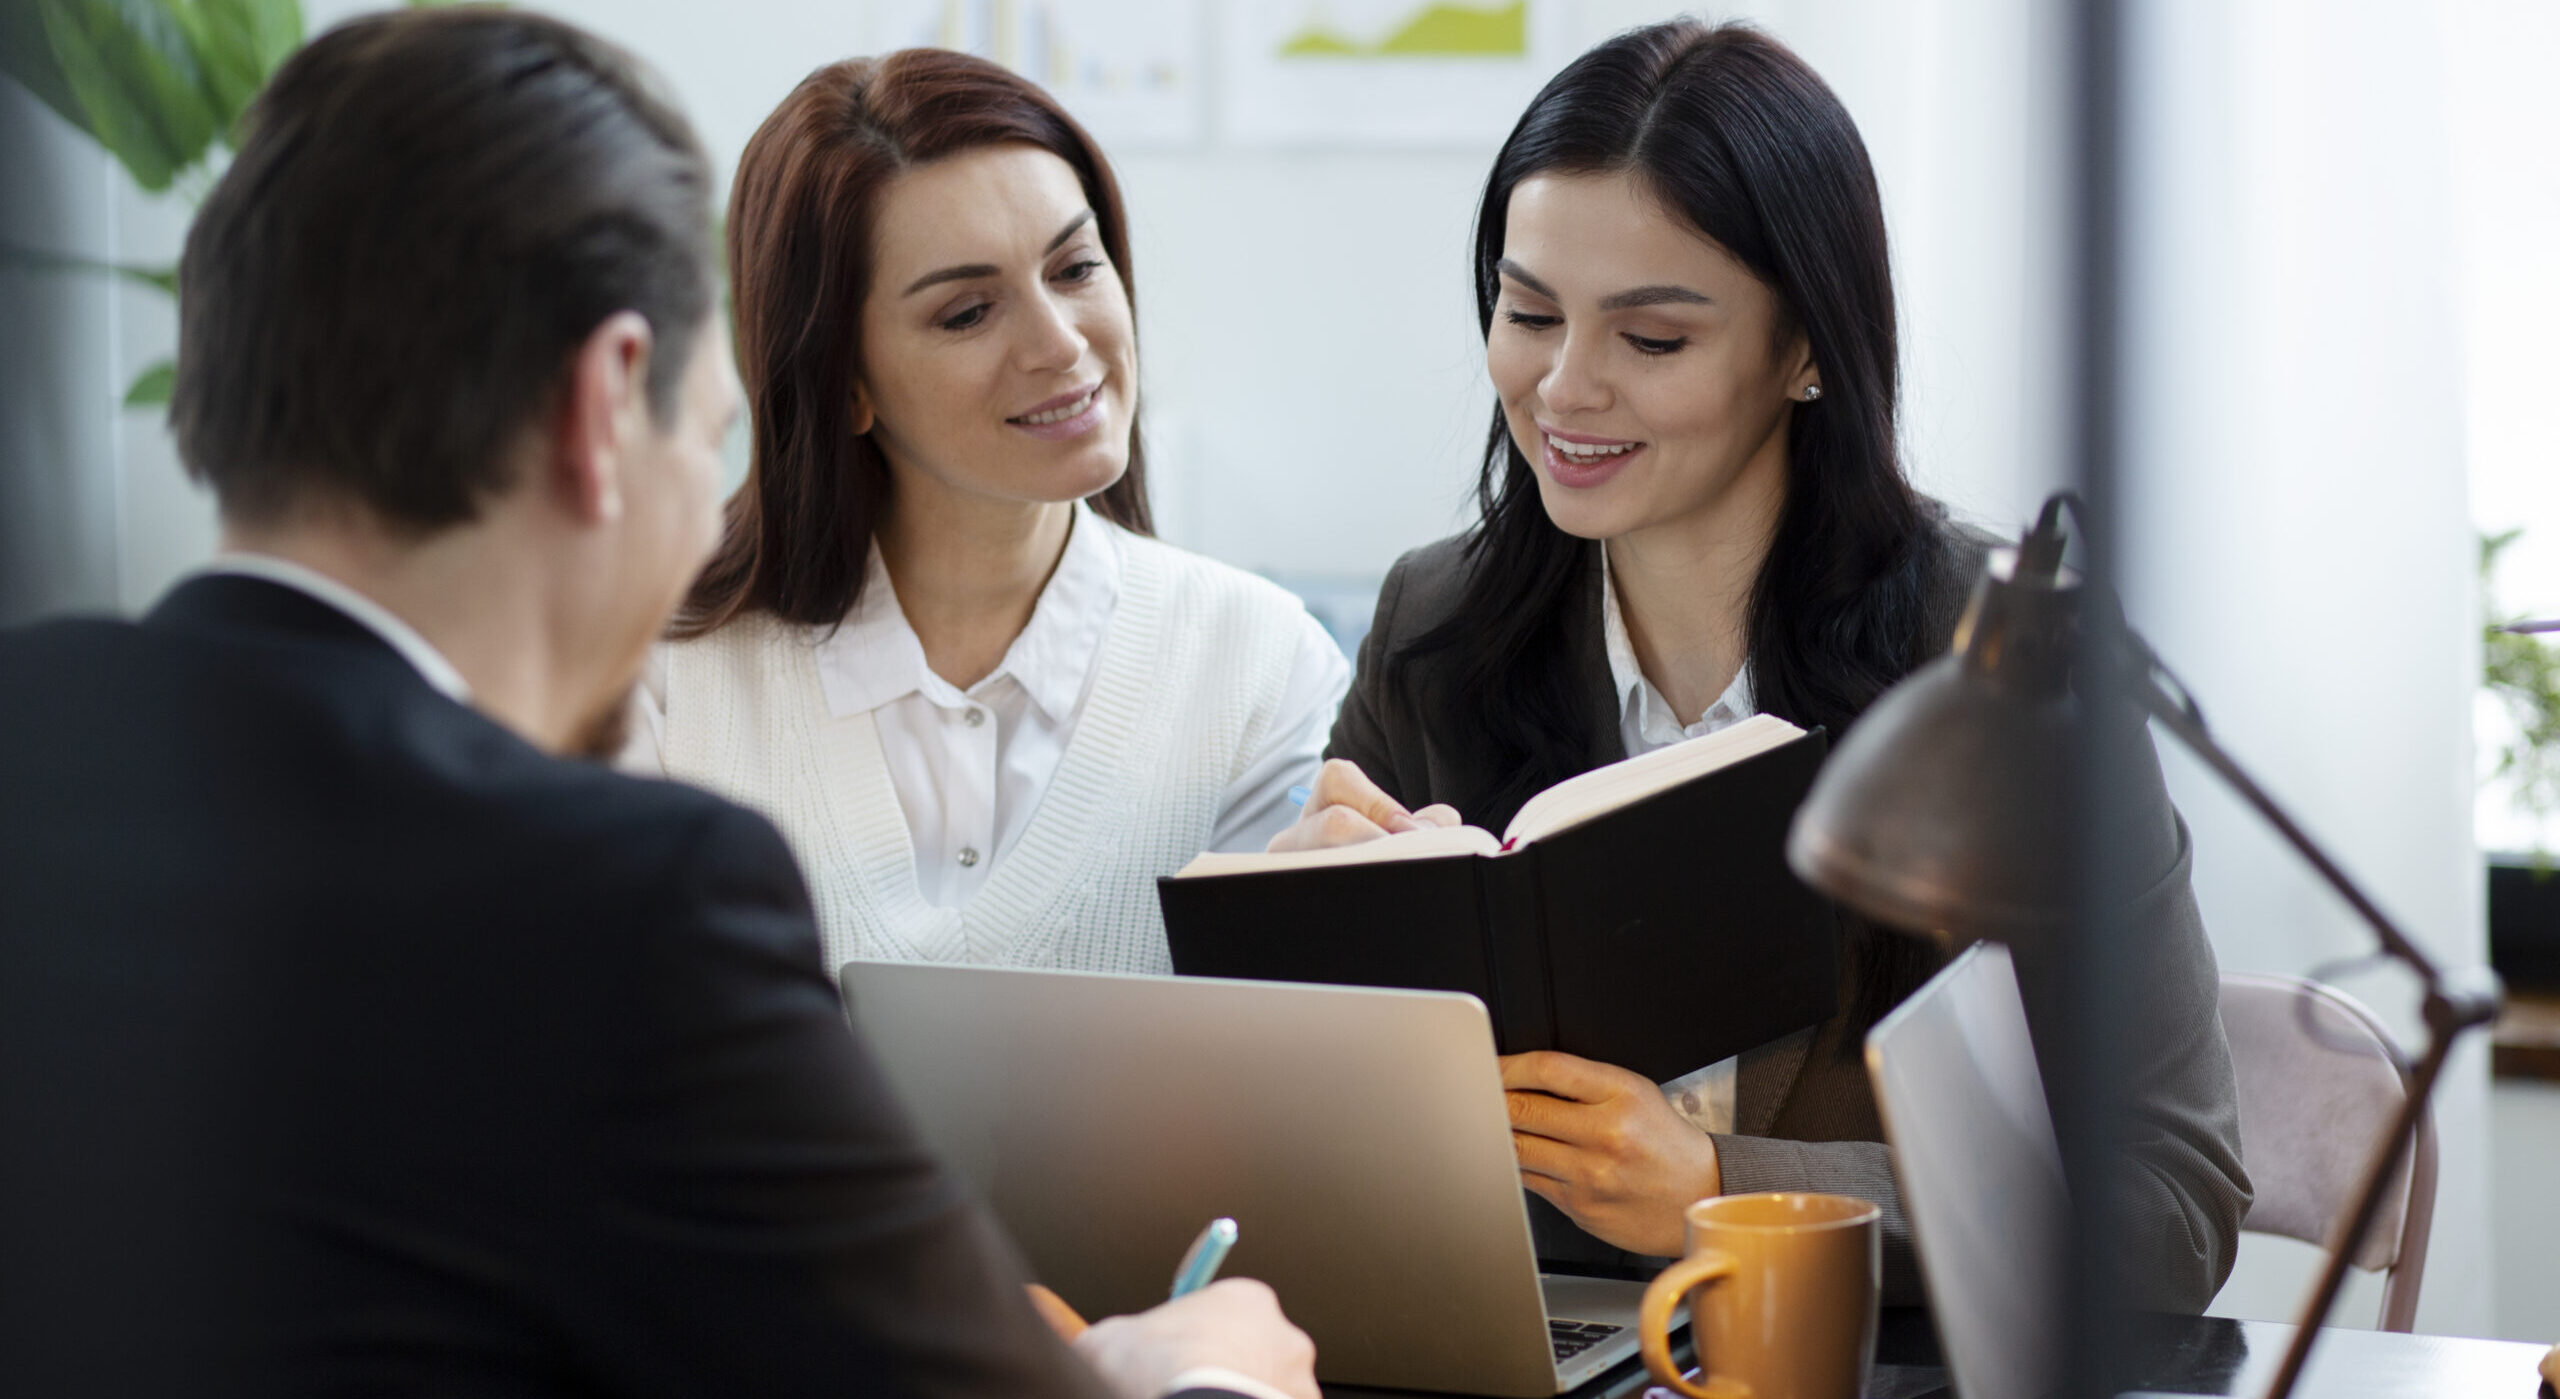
[2447, 1012]
[2119, 663]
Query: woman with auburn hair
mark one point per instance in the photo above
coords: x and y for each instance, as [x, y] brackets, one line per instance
[1692, 512]
[938, 644]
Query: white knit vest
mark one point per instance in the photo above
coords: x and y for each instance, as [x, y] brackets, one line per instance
[1188, 682]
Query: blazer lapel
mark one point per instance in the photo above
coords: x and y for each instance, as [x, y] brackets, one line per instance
[1764, 1078]
[1590, 650]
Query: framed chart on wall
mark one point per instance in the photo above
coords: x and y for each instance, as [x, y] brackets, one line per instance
[1384, 72]
[1127, 69]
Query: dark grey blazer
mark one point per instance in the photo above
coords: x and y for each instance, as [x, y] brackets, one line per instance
[1805, 1113]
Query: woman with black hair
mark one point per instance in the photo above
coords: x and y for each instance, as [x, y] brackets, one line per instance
[1693, 511]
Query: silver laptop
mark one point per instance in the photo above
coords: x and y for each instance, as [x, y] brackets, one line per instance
[1358, 1137]
[1964, 1106]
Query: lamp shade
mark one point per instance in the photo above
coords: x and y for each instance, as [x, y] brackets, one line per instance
[1944, 809]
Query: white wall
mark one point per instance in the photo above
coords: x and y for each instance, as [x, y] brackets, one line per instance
[1305, 314]
[2299, 538]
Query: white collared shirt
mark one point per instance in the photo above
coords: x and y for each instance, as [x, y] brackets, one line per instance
[969, 766]
[373, 616]
[1646, 722]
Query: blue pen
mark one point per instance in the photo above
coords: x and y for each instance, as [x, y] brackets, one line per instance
[1207, 1252]
[1300, 796]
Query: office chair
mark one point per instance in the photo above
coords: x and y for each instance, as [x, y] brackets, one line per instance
[2319, 1083]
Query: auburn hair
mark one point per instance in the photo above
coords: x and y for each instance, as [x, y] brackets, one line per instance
[798, 531]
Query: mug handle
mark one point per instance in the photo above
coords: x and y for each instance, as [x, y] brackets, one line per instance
[1653, 1323]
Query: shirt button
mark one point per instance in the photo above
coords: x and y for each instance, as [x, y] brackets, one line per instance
[968, 857]
[977, 717]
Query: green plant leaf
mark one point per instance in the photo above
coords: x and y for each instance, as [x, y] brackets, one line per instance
[239, 44]
[2524, 673]
[165, 278]
[26, 55]
[132, 67]
[153, 386]
[2491, 546]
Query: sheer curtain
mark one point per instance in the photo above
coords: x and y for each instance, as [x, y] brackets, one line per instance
[2298, 528]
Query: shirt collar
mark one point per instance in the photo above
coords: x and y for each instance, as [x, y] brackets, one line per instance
[875, 657]
[1638, 701]
[397, 634]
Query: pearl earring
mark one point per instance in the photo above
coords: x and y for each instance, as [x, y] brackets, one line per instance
[1812, 392]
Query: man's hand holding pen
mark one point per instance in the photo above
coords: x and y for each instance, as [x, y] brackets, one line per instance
[1234, 1327]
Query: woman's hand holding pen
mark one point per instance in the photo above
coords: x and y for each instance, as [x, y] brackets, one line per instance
[1346, 808]
[1603, 1145]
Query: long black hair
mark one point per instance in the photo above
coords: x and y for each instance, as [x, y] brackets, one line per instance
[1735, 134]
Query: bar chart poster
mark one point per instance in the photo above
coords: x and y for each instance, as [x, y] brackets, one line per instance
[1384, 72]
[1127, 69]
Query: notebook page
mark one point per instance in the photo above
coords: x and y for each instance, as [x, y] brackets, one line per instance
[1602, 790]
[1434, 843]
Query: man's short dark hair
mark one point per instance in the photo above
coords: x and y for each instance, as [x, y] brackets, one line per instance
[430, 212]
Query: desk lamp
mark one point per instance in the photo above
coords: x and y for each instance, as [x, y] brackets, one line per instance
[1941, 812]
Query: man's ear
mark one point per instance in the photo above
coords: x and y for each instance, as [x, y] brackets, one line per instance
[604, 417]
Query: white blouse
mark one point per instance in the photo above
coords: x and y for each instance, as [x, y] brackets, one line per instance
[1646, 722]
[970, 766]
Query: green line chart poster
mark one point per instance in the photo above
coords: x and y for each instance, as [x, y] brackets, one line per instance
[1429, 31]
[1384, 72]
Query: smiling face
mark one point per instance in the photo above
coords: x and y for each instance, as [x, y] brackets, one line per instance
[999, 350]
[1641, 367]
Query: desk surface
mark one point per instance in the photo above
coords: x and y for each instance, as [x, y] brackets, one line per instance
[2199, 1355]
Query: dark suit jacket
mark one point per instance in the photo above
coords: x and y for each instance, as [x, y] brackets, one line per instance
[350, 1045]
[1805, 1112]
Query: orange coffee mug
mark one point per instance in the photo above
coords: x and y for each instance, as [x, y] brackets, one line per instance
[1785, 1304]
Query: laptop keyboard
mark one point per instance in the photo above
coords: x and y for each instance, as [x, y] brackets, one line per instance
[1572, 1338]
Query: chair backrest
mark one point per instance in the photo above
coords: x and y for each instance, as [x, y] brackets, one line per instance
[2319, 1084]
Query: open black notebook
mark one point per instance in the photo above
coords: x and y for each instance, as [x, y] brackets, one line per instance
[1641, 914]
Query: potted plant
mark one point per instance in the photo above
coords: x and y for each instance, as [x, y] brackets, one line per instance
[161, 85]
[2523, 672]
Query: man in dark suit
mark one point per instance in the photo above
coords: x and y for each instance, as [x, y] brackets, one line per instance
[351, 1039]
